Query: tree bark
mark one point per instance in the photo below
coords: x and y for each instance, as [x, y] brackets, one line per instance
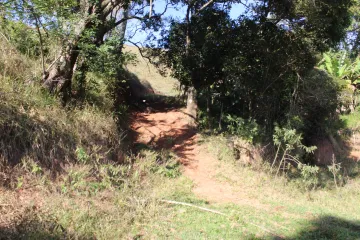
[122, 26]
[192, 106]
[80, 70]
[208, 106]
[191, 103]
[58, 80]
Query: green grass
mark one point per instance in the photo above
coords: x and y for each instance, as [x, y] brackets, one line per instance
[137, 213]
[274, 207]
[127, 205]
[352, 121]
[90, 197]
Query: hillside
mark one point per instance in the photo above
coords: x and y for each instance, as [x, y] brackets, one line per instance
[181, 184]
[150, 76]
[96, 144]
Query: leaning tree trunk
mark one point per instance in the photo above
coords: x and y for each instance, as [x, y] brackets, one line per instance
[58, 79]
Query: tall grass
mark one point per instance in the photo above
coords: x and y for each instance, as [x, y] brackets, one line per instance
[66, 164]
[34, 127]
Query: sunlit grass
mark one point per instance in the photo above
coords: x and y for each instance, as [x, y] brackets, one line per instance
[352, 120]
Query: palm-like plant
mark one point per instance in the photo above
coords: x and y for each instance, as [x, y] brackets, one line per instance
[340, 66]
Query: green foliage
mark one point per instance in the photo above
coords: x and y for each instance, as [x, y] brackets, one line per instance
[341, 66]
[324, 93]
[289, 139]
[24, 39]
[246, 129]
[166, 164]
[258, 67]
[202, 66]
[309, 175]
[351, 121]
[289, 147]
[92, 178]
[170, 170]
[347, 71]
[81, 155]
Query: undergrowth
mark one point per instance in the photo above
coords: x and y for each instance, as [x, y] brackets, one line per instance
[303, 177]
[64, 172]
[33, 126]
[352, 120]
[64, 175]
[89, 200]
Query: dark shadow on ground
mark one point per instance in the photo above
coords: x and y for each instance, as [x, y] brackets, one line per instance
[156, 103]
[44, 139]
[30, 222]
[179, 139]
[144, 100]
[22, 135]
[326, 227]
[142, 96]
[137, 88]
[39, 231]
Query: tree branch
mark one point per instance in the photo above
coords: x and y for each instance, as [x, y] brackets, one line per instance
[194, 206]
[141, 52]
[3, 35]
[38, 24]
[204, 6]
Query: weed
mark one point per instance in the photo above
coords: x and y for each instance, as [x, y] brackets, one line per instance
[335, 168]
[166, 164]
[20, 182]
[81, 155]
[309, 176]
[287, 141]
[48, 137]
[352, 120]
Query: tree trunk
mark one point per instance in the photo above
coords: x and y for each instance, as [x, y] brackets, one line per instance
[192, 106]
[122, 26]
[221, 115]
[208, 106]
[191, 103]
[335, 144]
[58, 80]
[79, 79]
[119, 93]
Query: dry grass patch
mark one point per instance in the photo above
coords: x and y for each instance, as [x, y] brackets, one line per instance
[149, 75]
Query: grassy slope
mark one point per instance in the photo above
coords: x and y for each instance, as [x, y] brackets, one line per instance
[148, 74]
[92, 199]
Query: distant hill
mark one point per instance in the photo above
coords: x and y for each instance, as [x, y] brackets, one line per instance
[149, 76]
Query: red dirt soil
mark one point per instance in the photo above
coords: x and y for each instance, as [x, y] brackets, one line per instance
[169, 130]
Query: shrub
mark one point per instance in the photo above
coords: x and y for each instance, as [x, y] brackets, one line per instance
[246, 129]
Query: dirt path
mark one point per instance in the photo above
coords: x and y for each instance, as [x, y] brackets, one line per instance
[169, 130]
